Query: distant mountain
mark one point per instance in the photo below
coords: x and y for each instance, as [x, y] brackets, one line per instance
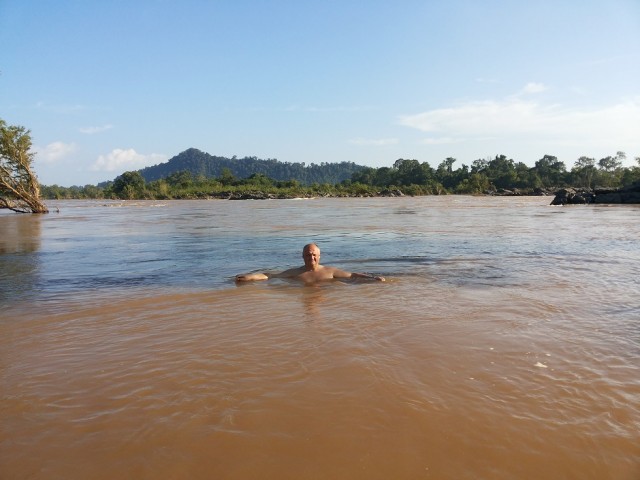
[201, 163]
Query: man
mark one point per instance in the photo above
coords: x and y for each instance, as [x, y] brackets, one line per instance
[311, 272]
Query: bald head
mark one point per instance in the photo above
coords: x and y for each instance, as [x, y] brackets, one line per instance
[310, 246]
[311, 256]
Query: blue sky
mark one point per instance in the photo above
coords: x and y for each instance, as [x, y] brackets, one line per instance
[111, 86]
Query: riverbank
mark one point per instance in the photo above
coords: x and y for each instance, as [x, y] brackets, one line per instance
[393, 192]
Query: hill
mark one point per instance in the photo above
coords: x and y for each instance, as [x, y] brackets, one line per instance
[201, 163]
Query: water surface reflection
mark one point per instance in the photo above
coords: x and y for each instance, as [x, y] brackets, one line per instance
[20, 233]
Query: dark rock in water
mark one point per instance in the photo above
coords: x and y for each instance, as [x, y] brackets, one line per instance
[572, 196]
[631, 197]
[257, 195]
[518, 192]
[394, 192]
[608, 197]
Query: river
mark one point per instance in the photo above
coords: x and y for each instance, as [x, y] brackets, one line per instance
[504, 344]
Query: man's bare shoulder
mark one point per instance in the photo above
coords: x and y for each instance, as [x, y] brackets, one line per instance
[336, 272]
[290, 273]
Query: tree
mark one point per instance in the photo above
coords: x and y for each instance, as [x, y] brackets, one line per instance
[585, 170]
[475, 184]
[526, 177]
[385, 176]
[550, 170]
[226, 177]
[479, 165]
[365, 176]
[409, 172]
[259, 180]
[610, 164]
[181, 179]
[610, 168]
[501, 171]
[129, 185]
[446, 167]
[444, 173]
[19, 187]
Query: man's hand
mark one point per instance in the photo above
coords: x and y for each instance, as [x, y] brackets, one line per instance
[250, 277]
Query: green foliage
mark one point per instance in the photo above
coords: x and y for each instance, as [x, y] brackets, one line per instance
[475, 184]
[19, 187]
[227, 177]
[584, 171]
[502, 172]
[550, 171]
[128, 186]
[408, 176]
[182, 179]
[448, 177]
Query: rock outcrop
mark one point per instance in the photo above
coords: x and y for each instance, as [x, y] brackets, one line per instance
[573, 196]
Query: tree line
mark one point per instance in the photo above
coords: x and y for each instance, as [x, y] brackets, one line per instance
[407, 176]
[195, 174]
[502, 173]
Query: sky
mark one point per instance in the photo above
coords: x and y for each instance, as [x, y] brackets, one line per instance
[112, 86]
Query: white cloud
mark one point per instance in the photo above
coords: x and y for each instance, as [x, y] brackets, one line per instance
[123, 160]
[54, 152]
[518, 119]
[579, 91]
[380, 142]
[94, 130]
[60, 108]
[441, 140]
[533, 87]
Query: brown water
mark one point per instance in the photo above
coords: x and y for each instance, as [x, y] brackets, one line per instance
[505, 343]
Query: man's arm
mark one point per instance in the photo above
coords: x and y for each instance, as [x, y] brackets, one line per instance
[251, 277]
[337, 273]
[367, 276]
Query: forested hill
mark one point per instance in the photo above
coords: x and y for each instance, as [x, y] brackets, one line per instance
[201, 163]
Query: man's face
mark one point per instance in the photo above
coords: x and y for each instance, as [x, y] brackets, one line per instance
[311, 256]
